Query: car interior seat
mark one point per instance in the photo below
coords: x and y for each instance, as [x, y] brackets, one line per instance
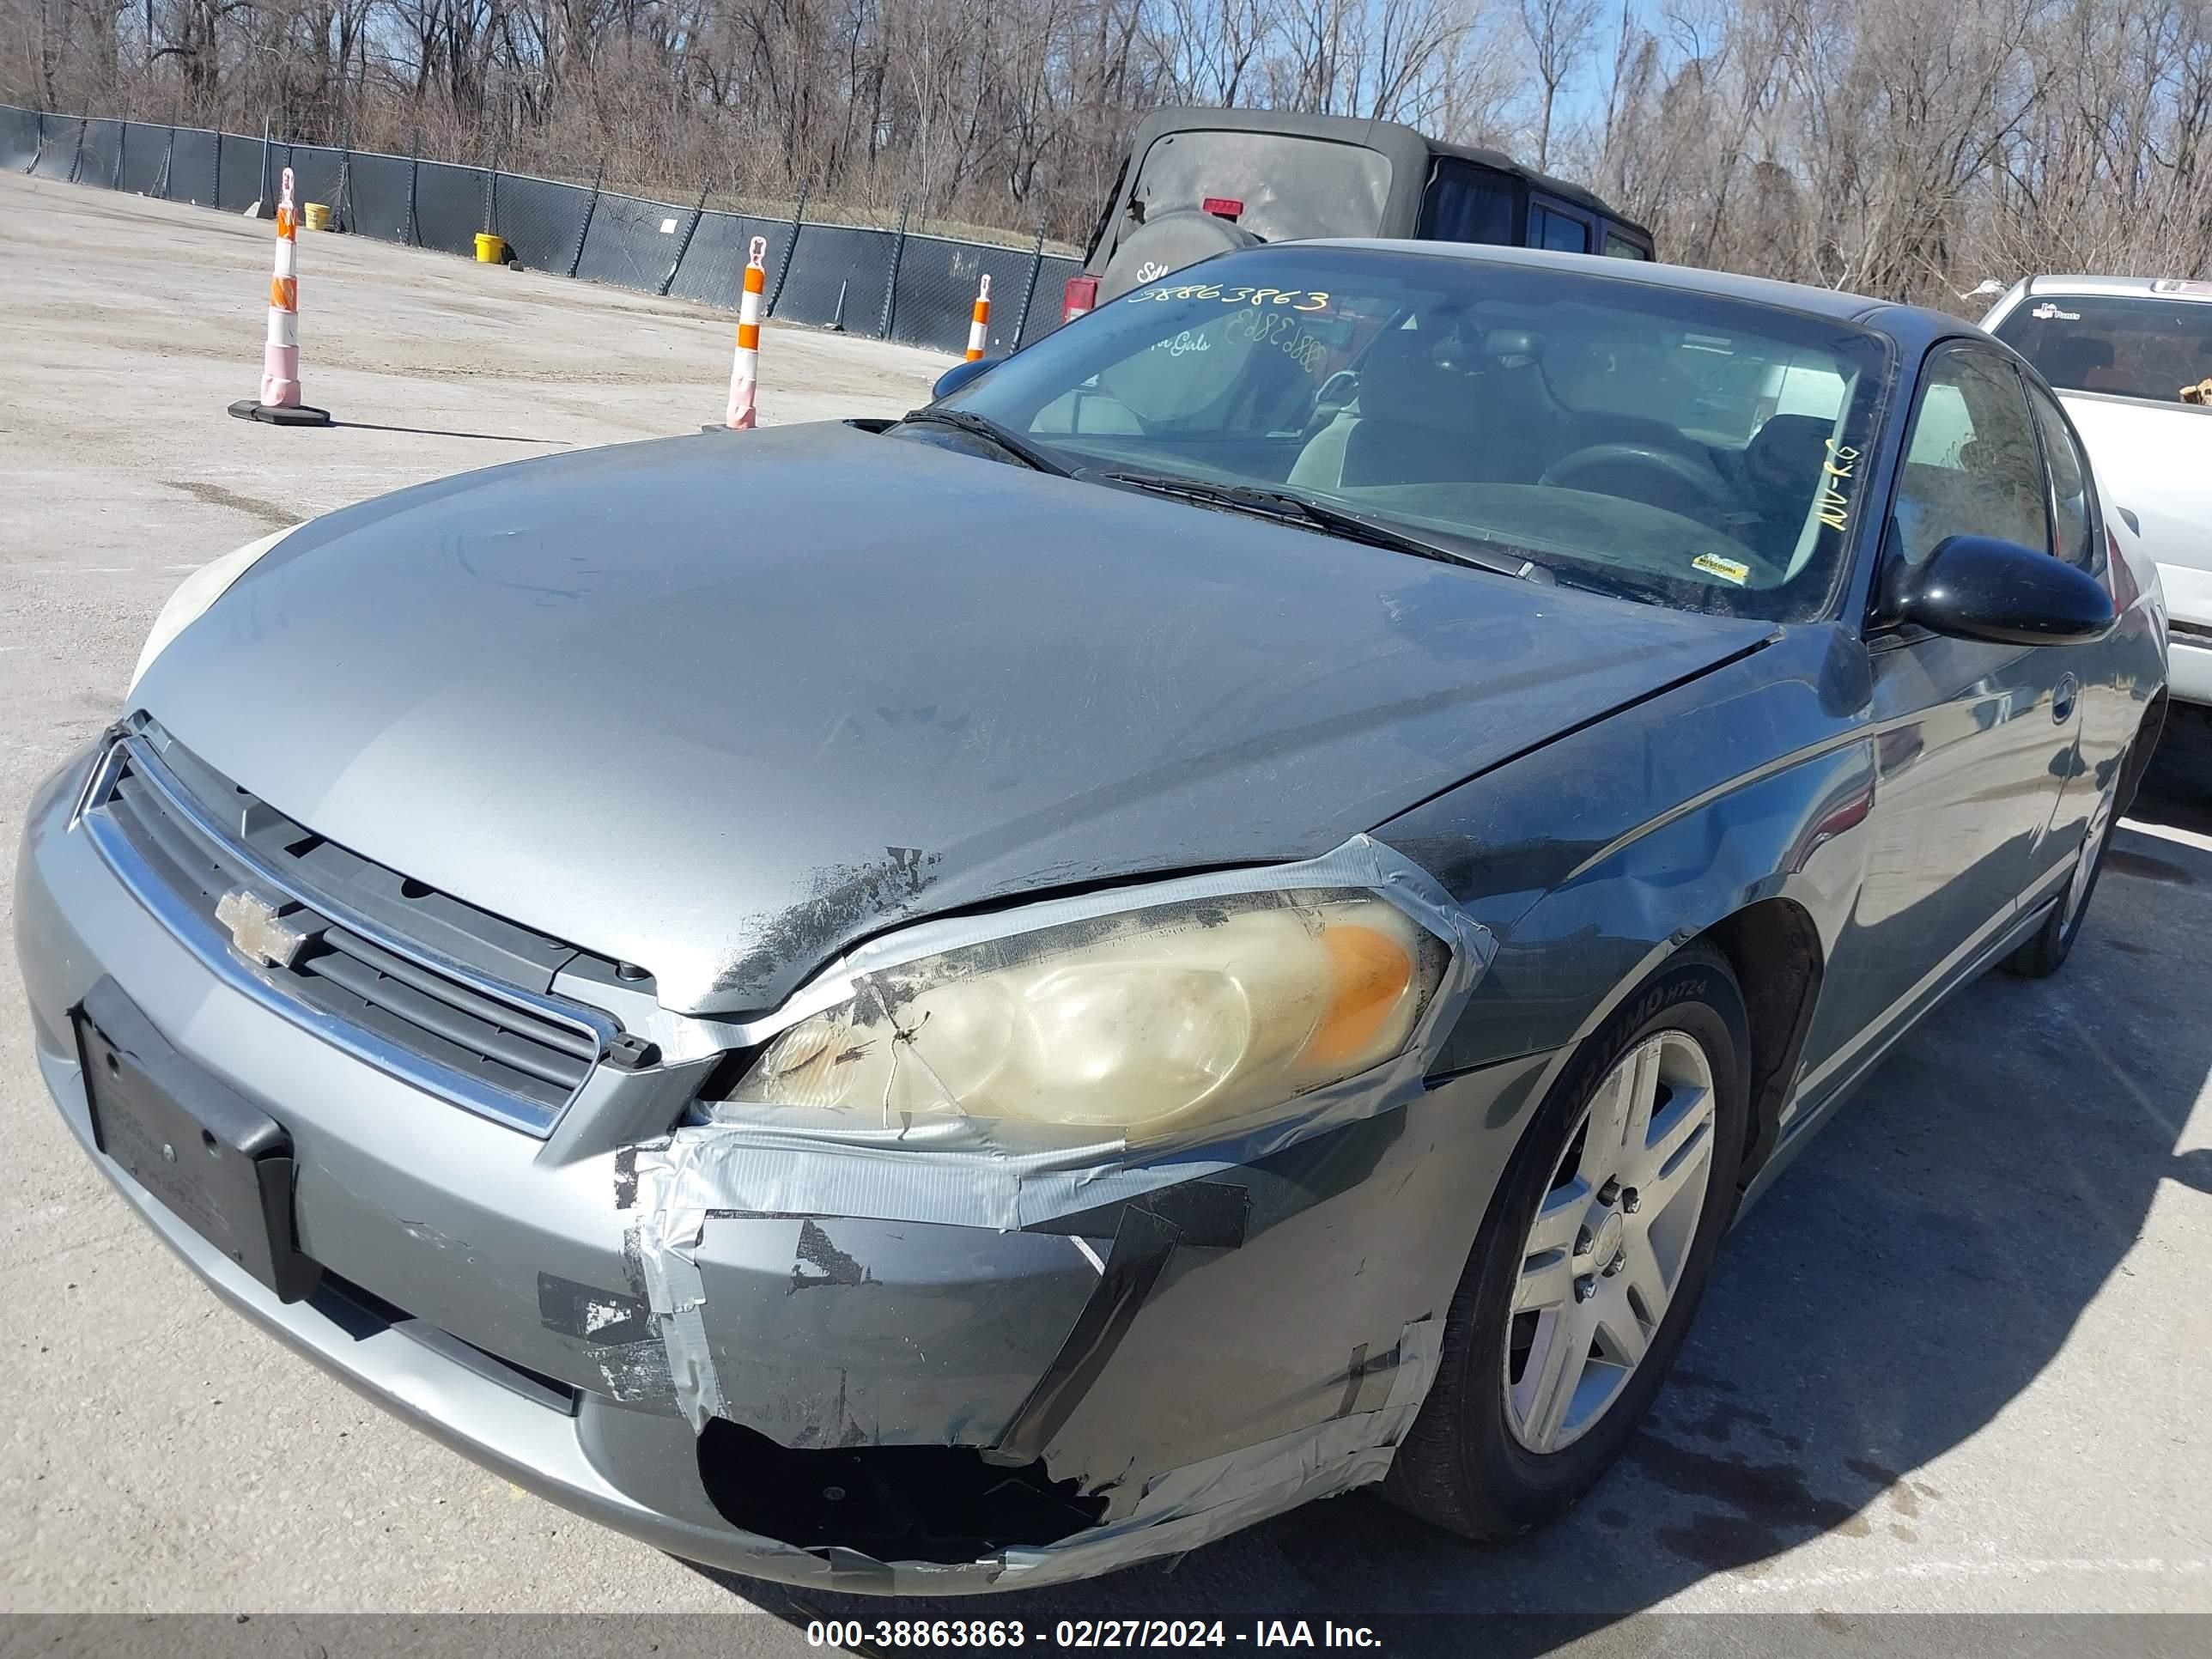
[1416, 416]
[1781, 465]
[1425, 416]
[2076, 360]
[1524, 425]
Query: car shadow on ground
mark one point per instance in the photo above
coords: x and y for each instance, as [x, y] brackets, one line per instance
[1916, 1269]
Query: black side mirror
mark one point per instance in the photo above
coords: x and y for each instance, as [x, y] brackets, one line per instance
[956, 377]
[1978, 587]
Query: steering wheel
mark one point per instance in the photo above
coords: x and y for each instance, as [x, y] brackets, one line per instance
[1675, 475]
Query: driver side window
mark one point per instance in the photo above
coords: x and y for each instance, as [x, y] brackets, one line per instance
[1972, 464]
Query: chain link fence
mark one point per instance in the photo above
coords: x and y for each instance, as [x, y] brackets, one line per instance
[883, 283]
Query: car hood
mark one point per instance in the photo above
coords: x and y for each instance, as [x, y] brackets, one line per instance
[724, 704]
[2151, 460]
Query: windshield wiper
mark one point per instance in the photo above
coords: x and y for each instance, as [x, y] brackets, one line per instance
[991, 431]
[1298, 507]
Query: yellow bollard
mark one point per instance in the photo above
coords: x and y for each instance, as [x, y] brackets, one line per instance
[491, 249]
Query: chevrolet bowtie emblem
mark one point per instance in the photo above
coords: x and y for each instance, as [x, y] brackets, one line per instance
[257, 932]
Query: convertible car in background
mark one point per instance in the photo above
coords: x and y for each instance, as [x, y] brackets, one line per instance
[1229, 911]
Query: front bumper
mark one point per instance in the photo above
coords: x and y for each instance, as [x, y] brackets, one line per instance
[2189, 642]
[1235, 1385]
[2189, 670]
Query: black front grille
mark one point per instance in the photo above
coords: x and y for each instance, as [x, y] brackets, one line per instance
[409, 969]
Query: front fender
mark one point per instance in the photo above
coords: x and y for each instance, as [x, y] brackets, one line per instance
[1593, 858]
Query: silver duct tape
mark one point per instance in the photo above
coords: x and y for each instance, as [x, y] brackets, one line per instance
[995, 1174]
[1190, 1506]
[667, 1232]
[982, 1172]
[1254, 1481]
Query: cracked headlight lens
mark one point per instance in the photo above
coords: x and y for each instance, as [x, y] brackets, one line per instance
[1148, 1021]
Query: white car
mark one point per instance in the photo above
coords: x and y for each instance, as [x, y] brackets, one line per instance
[2118, 350]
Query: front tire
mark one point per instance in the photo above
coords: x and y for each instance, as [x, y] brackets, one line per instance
[1589, 1265]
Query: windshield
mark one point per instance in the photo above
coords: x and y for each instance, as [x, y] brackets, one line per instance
[2123, 346]
[1677, 448]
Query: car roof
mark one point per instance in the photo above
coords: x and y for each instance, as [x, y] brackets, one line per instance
[1390, 137]
[2162, 287]
[1910, 325]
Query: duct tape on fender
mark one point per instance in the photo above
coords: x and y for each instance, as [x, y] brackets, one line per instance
[667, 1234]
[1181, 1508]
[1204, 1501]
[995, 1174]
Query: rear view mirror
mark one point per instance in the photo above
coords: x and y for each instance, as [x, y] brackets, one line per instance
[956, 377]
[1978, 587]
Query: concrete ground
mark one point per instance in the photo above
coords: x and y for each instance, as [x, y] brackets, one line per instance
[1955, 1362]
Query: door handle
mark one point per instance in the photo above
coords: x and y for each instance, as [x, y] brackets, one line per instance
[2061, 700]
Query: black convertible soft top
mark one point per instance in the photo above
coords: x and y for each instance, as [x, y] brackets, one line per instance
[1408, 149]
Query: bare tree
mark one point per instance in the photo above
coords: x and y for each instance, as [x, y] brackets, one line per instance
[1888, 146]
[1560, 34]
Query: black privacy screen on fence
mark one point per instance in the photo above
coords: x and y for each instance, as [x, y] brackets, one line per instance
[542, 221]
[19, 139]
[884, 284]
[315, 172]
[145, 154]
[102, 149]
[238, 174]
[449, 206]
[714, 268]
[191, 168]
[632, 243]
[376, 200]
[58, 141]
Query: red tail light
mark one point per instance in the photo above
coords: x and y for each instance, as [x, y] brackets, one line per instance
[1222, 207]
[1080, 297]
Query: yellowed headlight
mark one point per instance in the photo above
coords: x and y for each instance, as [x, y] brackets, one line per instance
[1144, 1023]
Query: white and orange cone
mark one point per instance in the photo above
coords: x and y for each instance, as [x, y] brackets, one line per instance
[280, 402]
[280, 356]
[744, 371]
[979, 327]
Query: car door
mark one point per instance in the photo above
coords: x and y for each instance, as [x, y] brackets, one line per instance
[2106, 713]
[1972, 742]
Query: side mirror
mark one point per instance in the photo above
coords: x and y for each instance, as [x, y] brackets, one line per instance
[1978, 587]
[956, 377]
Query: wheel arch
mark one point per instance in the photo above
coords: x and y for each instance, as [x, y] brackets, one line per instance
[1774, 947]
[2147, 733]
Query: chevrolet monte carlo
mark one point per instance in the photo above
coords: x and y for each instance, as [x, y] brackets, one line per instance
[1229, 911]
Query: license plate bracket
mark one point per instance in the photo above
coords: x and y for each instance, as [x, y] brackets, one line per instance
[217, 1162]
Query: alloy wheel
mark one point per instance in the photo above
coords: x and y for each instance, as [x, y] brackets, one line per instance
[1610, 1240]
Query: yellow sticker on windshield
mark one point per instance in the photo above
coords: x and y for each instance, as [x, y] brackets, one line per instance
[1726, 570]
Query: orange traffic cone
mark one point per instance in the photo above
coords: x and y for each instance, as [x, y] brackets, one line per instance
[280, 404]
[979, 324]
[745, 371]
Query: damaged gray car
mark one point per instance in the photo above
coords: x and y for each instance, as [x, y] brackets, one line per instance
[1228, 912]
